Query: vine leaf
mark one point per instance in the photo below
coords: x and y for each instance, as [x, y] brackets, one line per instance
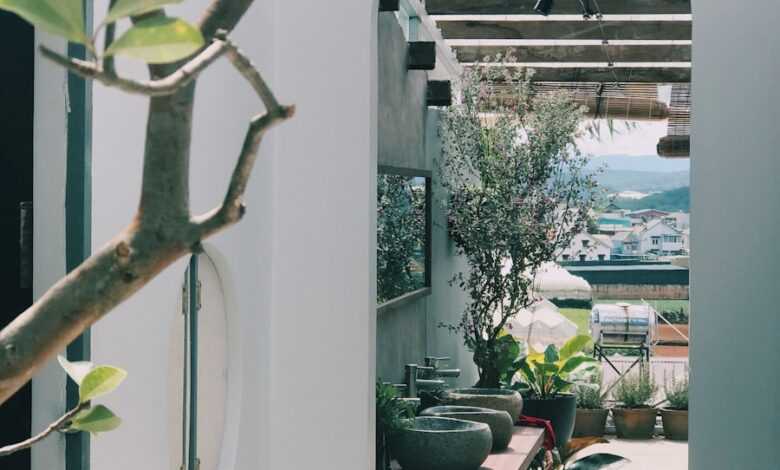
[95, 420]
[100, 381]
[158, 40]
[61, 17]
[125, 8]
[76, 370]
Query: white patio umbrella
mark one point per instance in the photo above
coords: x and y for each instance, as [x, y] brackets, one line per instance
[541, 325]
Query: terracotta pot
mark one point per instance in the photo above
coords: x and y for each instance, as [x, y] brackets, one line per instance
[634, 423]
[590, 423]
[560, 411]
[675, 424]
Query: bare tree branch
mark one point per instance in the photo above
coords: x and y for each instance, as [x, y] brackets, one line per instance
[160, 87]
[232, 208]
[59, 425]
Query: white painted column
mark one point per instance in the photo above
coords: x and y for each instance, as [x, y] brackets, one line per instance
[735, 264]
[324, 248]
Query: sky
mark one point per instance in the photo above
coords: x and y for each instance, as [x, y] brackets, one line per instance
[638, 142]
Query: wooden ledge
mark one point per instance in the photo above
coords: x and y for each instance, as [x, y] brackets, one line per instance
[523, 447]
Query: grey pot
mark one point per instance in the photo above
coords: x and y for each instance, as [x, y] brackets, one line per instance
[492, 398]
[500, 422]
[442, 444]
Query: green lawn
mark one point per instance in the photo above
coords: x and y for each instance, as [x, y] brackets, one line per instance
[580, 317]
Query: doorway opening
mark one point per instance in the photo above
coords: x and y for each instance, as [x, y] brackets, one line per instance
[17, 46]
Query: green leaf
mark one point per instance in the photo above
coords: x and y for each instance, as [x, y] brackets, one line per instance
[574, 362]
[95, 420]
[100, 381]
[574, 345]
[158, 40]
[551, 354]
[125, 8]
[76, 370]
[61, 17]
[596, 462]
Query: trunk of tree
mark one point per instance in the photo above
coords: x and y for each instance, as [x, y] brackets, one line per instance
[163, 229]
[489, 376]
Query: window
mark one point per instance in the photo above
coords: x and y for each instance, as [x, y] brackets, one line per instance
[403, 232]
[583, 258]
[656, 240]
[585, 243]
[602, 257]
[566, 257]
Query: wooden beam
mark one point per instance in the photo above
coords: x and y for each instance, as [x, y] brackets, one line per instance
[607, 74]
[389, 5]
[561, 7]
[581, 54]
[674, 146]
[439, 93]
[422, 55]
[583, 29]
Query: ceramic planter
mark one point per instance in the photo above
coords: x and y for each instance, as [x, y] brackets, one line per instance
[634, 423]
[560, 411]
[590, 423]
[675, 424]
[492, 398]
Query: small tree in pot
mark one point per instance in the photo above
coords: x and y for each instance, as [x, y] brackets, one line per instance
[515, 193]
[591, 415]
[675, 415]
[635, 418]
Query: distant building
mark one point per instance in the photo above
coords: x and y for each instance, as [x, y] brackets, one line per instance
[646, 215]
[678, 220]
[660, 238]
[587, 247]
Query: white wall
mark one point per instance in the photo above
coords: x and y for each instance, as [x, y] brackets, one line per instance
[735, 160]
[298, 270]
[49, 156]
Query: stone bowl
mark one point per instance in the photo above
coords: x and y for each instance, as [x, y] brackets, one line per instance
[492, 398]
[500, 422]
[442, 444]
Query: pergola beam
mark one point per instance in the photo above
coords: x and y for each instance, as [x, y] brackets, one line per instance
[583, 74]
[582, 29]
[562, 7]
[579, 53]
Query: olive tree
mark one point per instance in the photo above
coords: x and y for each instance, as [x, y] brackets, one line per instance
[163, 229]
[516, 191]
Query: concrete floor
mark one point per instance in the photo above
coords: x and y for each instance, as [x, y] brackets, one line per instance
[656, 454]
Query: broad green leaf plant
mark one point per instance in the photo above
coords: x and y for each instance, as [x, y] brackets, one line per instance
[547, 373]
[156, 39]
[94, 381]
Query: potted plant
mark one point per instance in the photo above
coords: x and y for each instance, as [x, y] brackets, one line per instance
[546, 375]
[393, 415]
[675, 415]
[634, 417]
[591, 416]
[503, 196]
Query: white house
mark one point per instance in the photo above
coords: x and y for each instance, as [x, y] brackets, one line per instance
[587, 247]
[659, 238]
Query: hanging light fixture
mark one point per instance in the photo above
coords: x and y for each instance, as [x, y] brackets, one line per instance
[543, 7]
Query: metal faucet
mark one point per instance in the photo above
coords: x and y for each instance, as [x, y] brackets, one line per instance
[432, 370]
[413, 383]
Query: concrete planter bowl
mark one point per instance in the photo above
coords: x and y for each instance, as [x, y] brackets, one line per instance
[491, 398]
[590, 423]
[634, 423]
[442, 444]
[501, 425]
[675, 424]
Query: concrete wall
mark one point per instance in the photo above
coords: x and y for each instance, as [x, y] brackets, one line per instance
[401, 331]
[735, 163]
[409, 138]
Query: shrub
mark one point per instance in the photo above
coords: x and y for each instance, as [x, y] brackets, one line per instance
[589, 398]
[635, 391]
[677, 394]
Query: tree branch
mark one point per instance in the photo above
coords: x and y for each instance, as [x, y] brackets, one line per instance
[160, 87]
[61, 423]
[232, 208]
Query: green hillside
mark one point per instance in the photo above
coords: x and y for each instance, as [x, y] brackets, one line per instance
[670, 201]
